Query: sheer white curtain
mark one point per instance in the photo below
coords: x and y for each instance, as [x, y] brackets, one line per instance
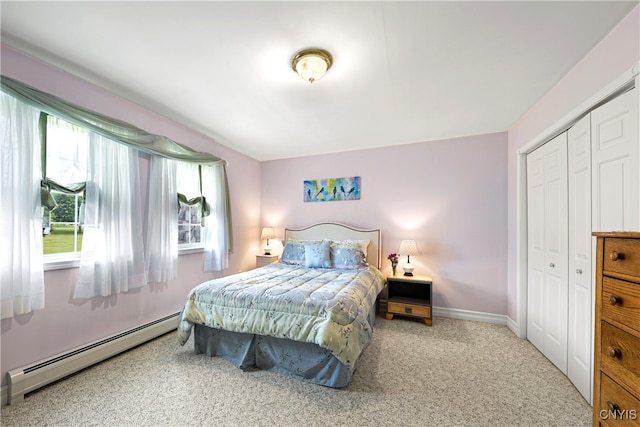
[21, 274]
[161, 244]
[216, 239]
[112, 259]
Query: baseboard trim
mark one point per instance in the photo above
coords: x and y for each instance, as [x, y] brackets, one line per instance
[513, 326]
[454, 313]
[4, 392]
[29, 378]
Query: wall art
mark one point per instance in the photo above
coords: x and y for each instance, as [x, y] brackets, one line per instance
[332, 189]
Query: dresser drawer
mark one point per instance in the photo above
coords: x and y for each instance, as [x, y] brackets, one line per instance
[408, 309]
[616, 406]
[621, 302]
[620, 355]
[622, 256]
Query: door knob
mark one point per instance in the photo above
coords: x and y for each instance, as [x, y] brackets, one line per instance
[551, 265]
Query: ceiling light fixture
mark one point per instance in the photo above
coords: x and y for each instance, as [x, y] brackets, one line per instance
[311, 64]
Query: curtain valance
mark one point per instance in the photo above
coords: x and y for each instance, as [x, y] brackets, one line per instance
[105, 126]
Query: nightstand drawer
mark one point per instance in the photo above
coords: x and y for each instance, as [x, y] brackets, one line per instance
[408, 309]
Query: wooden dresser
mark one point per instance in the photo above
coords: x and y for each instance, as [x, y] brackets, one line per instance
[616, 385]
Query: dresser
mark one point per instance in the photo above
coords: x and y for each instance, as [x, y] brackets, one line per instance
[616, 384]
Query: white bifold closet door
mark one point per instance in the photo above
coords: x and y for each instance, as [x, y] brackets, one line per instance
[586, 179]
[547, 239]
[615, 165]
[580, 332]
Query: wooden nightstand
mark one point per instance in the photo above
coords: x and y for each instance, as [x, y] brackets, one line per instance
[409, 296]
[262, 260]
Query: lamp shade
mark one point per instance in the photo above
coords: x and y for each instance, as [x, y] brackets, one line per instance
[267, 233]
[408, 247]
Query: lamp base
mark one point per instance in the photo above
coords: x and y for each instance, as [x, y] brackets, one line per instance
[408, 270]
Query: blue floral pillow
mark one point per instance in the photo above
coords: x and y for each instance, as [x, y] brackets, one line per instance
[348, 256]
[294, 253]
[318, 256]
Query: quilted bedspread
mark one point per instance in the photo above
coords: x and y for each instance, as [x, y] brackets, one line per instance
[328, 307]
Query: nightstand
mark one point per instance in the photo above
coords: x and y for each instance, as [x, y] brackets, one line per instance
[262, 260]
[409, 296]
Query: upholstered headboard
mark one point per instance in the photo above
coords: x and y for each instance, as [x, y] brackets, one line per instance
[336, 231]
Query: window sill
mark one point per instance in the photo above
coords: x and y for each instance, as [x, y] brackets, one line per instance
[190, 249]
[61, 262]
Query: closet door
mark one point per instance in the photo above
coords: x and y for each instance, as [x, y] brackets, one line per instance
[547, 253]
[580, 336]
[615, 164]
[556, 247]
[535, 252]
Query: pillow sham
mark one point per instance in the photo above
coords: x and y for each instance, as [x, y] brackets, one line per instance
[348, 256]
[294, 253]
[364, 244]
[318, 255]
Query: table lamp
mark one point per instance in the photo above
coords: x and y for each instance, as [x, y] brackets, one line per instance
[408, 248]
[267, 233]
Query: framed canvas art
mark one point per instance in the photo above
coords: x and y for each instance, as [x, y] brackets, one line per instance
[332, 189]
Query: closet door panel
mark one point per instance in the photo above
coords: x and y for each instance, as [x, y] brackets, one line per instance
[579, 351]
[615, 164]
[556, 258]
[536, 270]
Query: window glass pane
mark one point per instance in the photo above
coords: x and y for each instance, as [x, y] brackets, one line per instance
[62, 227]
[63, 232]
[66, 152]
[189, 227]
[189, 217]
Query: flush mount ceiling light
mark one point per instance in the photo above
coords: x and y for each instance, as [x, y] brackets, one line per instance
[311, 64]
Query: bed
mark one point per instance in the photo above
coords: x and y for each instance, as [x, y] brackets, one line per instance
[309, 316]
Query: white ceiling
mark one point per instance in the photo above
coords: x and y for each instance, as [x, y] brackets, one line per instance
[403, 71]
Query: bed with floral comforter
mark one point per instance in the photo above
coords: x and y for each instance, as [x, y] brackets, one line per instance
[312, 323]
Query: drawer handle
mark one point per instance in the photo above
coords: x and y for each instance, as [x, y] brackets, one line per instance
[612, 406]
[615, 300]
[408, 310]
[578, 271]
[551, 265]
[615, 256]
[613, 352]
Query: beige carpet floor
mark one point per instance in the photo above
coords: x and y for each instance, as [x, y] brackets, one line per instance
[456, 373]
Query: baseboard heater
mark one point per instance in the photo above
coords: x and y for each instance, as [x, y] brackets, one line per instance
[29, 378]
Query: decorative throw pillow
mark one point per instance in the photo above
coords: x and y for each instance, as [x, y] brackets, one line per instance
[348, 256]
[293, 252]
[318, 256]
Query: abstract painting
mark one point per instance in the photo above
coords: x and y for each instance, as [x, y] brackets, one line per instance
[332, 189]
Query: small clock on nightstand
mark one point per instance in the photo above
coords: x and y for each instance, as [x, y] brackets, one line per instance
[262, 260]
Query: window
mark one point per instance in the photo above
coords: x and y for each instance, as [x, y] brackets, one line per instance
[62, 228]
[190, 228]
[66, 173]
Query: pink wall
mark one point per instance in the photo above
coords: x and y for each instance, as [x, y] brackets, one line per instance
[450, 196]
[64, 323]
[613, 56]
